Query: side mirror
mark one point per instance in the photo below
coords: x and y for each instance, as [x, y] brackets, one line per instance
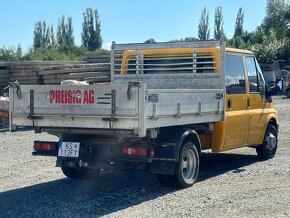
[274, 90]
[279, 86]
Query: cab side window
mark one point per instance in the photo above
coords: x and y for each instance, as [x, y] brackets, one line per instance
[235, 77]
[256, 80]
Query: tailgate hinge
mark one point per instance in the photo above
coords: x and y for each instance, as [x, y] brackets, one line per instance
[130, 86]
[31, 115]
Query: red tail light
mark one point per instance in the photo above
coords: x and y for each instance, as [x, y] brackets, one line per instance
[152, 153]
[44, 146]
[134, 151]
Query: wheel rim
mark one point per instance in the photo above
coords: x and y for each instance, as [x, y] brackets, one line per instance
[188, 165]
[271, 142]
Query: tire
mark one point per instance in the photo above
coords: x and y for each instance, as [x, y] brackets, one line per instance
[187, 169]
[80, 173]
[188, 166]
[268, 148]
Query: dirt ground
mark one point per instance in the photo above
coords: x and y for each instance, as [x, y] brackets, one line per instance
[231, 184]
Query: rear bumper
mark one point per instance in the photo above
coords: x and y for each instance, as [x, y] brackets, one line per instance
[45, 153]
[92, 154]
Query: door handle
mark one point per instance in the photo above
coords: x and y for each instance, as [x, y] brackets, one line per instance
[230, 103]
[248, 102]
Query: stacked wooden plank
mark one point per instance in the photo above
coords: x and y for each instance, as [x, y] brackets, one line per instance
[94, 57]
[27, 73]
[84, 72]
[4, 111]
[4, 77]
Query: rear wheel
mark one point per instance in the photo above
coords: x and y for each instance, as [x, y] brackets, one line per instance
[188, 166]
[80, 173]
[187, 169]
[268, 148]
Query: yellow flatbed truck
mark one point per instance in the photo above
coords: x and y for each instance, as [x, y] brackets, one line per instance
[166, 102]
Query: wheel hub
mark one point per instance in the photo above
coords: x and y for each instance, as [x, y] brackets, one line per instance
[188, 165]
[271, 141]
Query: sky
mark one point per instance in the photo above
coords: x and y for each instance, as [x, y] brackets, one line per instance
[124, 21]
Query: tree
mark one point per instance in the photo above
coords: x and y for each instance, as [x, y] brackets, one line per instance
[151, 40]
[43, 35]
[186, 39]
[65, 32]
[276, 14]
[271, 49]
[219, 24]
[203, 27]
[91, 36]
[277, 17]
[190, 39]
[239, 27]
[10, 54]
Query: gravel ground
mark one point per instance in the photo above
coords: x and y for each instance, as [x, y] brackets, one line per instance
[232, 184]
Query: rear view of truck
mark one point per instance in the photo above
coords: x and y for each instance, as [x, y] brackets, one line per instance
[163, 100]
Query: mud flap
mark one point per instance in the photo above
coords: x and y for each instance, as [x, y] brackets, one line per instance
[162, 167]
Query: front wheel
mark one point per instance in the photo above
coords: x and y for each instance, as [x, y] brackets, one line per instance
[80, 173]
[268, 148]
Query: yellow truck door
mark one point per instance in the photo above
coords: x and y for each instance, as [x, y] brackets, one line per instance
[257, 113]
[236, 133]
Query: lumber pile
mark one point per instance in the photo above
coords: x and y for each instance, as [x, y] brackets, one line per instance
[4, 111]
[27, 73]
[4, 77]
[53, 72]
[94, 57]
[91, 73]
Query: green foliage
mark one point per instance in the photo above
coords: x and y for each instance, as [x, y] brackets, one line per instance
[239, 27]
[53, 54]
[91, 35]
[219, 24]
[270, 41]
[186, 39]
[43, 35]
[64, 32]
[272, 48]
[203, 27]
[47, 48]
[189, 39]
[10, 54]
[277, 16]
[151, 40]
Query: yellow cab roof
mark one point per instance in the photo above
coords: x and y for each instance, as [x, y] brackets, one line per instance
[233, 50]
[240, 51]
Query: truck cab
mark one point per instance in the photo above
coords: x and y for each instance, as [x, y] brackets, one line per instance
[249, 109]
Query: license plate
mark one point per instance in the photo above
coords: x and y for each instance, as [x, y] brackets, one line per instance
[68, 149]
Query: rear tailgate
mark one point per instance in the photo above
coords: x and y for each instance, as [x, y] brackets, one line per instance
[83, 106]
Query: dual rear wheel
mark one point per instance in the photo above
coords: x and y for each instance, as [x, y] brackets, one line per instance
[187, 169]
